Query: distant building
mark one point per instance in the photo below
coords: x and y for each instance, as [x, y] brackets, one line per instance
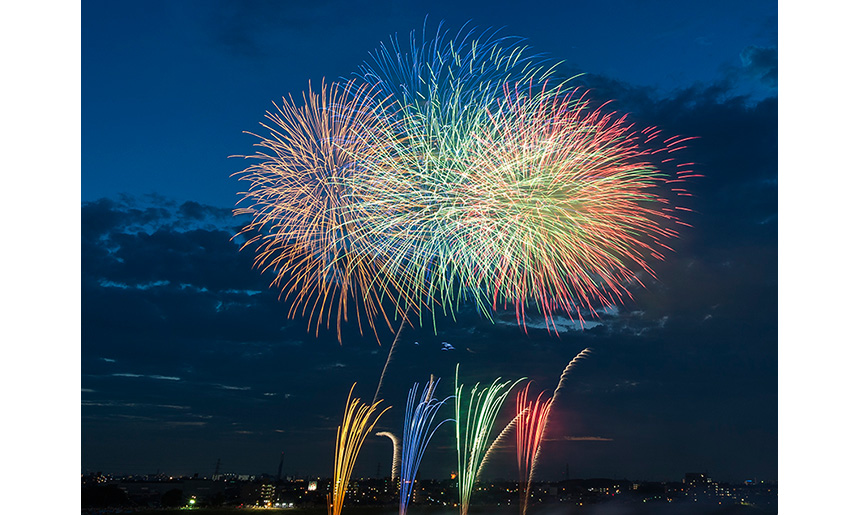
[267, 495]
[700, 487]
[148, 493]
[266, 492]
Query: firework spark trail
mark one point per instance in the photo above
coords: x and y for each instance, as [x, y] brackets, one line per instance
[417, 431]
[388, 360]
[395, 454]
[545, 410]
[351, 434]
[576, 359]
[472, 437]
[530, 430]
[498, 441]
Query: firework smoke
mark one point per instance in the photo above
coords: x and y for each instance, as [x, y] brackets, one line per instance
[395, 453]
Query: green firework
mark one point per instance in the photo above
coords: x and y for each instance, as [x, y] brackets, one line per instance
[473, 433]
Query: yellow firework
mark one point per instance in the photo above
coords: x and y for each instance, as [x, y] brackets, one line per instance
[351, 434]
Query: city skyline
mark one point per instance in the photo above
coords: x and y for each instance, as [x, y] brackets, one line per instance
[222, 475]
[695, 491]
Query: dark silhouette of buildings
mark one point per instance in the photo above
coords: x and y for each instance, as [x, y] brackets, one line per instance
[99, 490]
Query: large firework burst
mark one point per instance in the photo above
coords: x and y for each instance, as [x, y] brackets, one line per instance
[302, 228]
[563, 204]
[457, 168]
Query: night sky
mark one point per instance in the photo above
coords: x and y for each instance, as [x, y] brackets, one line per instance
[187, 357]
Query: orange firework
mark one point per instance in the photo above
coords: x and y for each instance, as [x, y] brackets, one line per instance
[302, 228]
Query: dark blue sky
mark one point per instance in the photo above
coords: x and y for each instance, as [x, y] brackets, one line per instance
[187, 357]
[168, 87]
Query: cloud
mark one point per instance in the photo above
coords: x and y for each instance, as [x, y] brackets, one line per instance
[331, 366]
[586, 439]
[557, 323]
[226, 387]
[149, 274]
[115, 404]
[185, 423]
[158, 377]
[761, 63]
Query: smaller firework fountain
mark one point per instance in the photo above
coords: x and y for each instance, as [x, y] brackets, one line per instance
[473, 433]
[351, 434]
[531, 424]
[418, 429]
[530, 427]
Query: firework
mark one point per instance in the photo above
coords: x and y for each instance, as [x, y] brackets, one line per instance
[395, 454]
[576, 359]
[510, 189]
[418, 429]
[530, 429]
[473, 433]
[536, 201]
[388, 360]
[357, 424]
[502, 435]
[571, 199]
[442, 88]
[301, 227]
[458, 168]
